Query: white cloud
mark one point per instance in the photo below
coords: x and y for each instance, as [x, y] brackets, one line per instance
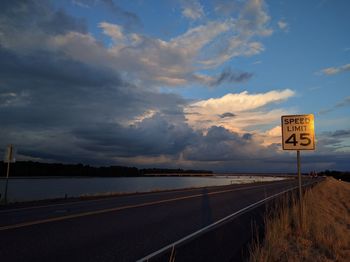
[192, 9]
[272, 136]
[247, 111]
[283, 25]
[112, 30]
[336, 70]
[253, 19]
[176, 62]
[242, 101]
[147, 59]
[153, 61]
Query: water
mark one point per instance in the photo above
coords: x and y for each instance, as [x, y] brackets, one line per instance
[28, 189]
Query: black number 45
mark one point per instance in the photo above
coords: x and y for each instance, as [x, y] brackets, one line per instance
[303, 137]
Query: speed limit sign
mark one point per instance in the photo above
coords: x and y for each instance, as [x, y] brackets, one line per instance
[298, 132]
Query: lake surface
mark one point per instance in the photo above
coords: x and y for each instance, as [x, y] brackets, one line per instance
[28, 189]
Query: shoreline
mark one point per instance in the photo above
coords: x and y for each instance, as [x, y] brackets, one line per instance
[87, 197]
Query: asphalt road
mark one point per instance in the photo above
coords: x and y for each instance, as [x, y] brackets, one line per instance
[124, 228]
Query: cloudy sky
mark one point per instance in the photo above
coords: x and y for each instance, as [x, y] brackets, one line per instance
[167, 83]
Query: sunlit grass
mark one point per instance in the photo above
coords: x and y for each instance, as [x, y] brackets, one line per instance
[324, 234]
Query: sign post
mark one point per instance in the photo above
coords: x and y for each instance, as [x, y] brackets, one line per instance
[298, 133]
[9, 157]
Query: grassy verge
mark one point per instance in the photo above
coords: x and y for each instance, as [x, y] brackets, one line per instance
[325, 232]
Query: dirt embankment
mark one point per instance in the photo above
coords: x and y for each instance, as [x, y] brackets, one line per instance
[325, 232]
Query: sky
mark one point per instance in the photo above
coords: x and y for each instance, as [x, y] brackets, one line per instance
[174, 84]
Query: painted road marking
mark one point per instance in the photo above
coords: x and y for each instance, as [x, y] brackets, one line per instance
[126, 195]
[211, 226]
[104, 199]
[96, 212]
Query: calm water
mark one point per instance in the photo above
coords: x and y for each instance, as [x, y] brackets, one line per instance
[27, 189]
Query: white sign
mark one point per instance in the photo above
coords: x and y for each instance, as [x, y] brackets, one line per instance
[10, 154]
[298, 132]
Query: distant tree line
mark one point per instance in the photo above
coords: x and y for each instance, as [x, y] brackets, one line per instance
[173, 171]
[343, 175]
[37, 169]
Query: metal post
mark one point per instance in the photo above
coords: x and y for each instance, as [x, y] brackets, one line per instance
[8, 170]
[300, 191]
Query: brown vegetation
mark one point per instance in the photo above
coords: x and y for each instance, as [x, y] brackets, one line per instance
[325, 231]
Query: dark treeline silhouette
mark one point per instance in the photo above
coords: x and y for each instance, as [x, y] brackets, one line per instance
[173, 171]
[37, 169]
[343, 175]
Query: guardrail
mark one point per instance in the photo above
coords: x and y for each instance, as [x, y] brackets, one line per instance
[171, 247]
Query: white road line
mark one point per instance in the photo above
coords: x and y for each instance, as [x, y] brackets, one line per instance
[211, 226]
[115, 209]
[110, 198]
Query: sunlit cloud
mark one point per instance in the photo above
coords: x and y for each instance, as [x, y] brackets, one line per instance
[102, 91]
[241, 111]
[112, 30]
[153, 61]
[336, 70]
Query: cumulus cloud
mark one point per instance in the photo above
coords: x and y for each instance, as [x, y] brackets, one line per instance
[114, 31]
[47, 97]
[219, 144]
[253, 19]
[175, 62]
[144, 59]
[150, 137]
[66, 96]
[148, 60]
[336, 70]
[249, 112]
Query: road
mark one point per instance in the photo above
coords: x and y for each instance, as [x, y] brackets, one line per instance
[124, 228]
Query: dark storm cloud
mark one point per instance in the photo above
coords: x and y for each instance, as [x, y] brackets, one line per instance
[55, 90]
[333, 142]
[69, 96]
[55, 108]
[151, 137]
[51, 67]
[227, 115]
[231, 76]
[36, 15]
[219, 144]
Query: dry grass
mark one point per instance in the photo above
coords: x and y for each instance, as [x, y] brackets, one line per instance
[325, 232]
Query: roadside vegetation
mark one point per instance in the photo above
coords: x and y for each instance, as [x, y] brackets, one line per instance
[325, 231]
[37, 169]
